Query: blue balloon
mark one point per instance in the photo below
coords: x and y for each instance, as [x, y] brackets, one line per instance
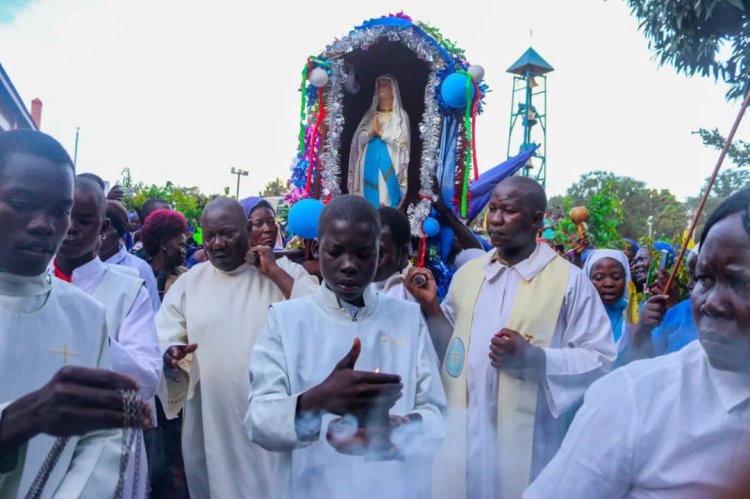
[303, 218]
[453, 90]
[431, 227]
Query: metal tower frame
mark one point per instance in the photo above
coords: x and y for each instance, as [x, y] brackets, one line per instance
[530, 80]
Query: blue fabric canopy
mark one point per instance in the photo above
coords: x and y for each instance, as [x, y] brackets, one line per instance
[481, 189]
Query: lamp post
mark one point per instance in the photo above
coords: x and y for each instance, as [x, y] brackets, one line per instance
[240, 173]
[75, 150]
[650, 221]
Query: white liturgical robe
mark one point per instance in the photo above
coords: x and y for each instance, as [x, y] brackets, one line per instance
[223, 312]
[580, 347]
[134, 344]
[669, 427]
[44, 324]
[303, 341]
[124, 258]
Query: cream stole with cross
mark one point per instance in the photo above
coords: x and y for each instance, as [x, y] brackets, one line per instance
[535, 313]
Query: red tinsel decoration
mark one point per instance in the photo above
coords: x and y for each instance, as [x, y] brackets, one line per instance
[313, 150]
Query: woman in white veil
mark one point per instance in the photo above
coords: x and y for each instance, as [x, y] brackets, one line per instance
[379, 157]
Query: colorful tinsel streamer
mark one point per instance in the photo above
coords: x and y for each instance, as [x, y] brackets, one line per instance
[312, 159]
[468, 128]
[303, 105]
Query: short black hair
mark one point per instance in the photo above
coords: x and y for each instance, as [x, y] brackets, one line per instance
[149, 206]
[96, 178]
[739, 202]
[398, 223]
[32, 142]
[118, 217]
[349, 208]
[92, 186]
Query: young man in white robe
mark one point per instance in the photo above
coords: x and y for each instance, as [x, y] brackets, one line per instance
[522, 334]
[216, 312]
[134, 344]
[676, 426]
[54, 355]
[302, 374]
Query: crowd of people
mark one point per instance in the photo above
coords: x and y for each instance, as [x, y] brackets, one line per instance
[343, 373]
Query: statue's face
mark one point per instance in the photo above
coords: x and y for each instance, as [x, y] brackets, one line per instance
[384, 87]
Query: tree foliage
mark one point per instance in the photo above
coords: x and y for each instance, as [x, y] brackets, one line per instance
[690, 36]
[738, 152]
[274, 188]
[638, 204]
[728, 182]
[187, 200]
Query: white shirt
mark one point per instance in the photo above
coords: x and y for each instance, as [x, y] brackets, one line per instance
[669, 427]
[124, 258]
[394, 286]
[302, 342]
[581, 345]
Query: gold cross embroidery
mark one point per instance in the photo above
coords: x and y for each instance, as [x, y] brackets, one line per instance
[65, 353]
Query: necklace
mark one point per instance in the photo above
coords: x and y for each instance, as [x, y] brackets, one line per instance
[134, 413]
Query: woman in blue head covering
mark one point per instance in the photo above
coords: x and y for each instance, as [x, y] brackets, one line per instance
[609, 271]
[262, 222]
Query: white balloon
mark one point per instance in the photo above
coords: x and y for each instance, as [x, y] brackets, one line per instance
[476, 71]
[318, 77]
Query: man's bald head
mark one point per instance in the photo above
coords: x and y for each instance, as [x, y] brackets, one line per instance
[229, 208]
[534, 197]
[225, 233]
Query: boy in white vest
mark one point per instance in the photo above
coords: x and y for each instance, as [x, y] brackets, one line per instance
[522, 334]
[134, 344]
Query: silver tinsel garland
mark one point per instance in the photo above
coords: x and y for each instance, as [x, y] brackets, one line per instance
[429, 127]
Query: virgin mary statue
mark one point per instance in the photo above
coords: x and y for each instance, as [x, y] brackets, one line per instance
[379, 157]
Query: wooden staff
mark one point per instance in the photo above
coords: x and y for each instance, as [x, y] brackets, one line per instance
[711, 181]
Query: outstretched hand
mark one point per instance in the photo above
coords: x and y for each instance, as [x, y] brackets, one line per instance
[173, 356]
[346, 391]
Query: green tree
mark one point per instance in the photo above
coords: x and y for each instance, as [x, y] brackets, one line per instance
[728, 182]
[275, 188]
[187, 200]
[638, 204]
[690, 35]
[738, 152]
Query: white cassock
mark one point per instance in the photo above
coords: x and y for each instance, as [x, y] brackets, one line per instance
[668, 427]
[43, 323]
[394, 286]
[134, 344]
[302, 342]
[223, 312]
[581, 345]
[145, 272]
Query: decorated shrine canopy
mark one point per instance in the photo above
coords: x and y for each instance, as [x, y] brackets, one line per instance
[441, 92]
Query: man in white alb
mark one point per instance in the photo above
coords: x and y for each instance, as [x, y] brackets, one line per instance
[522, 333]
[54, 355]
[216, 312]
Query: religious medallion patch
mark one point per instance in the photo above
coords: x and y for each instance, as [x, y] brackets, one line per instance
[454, 359]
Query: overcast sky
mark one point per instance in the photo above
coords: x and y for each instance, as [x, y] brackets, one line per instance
[183, 90]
